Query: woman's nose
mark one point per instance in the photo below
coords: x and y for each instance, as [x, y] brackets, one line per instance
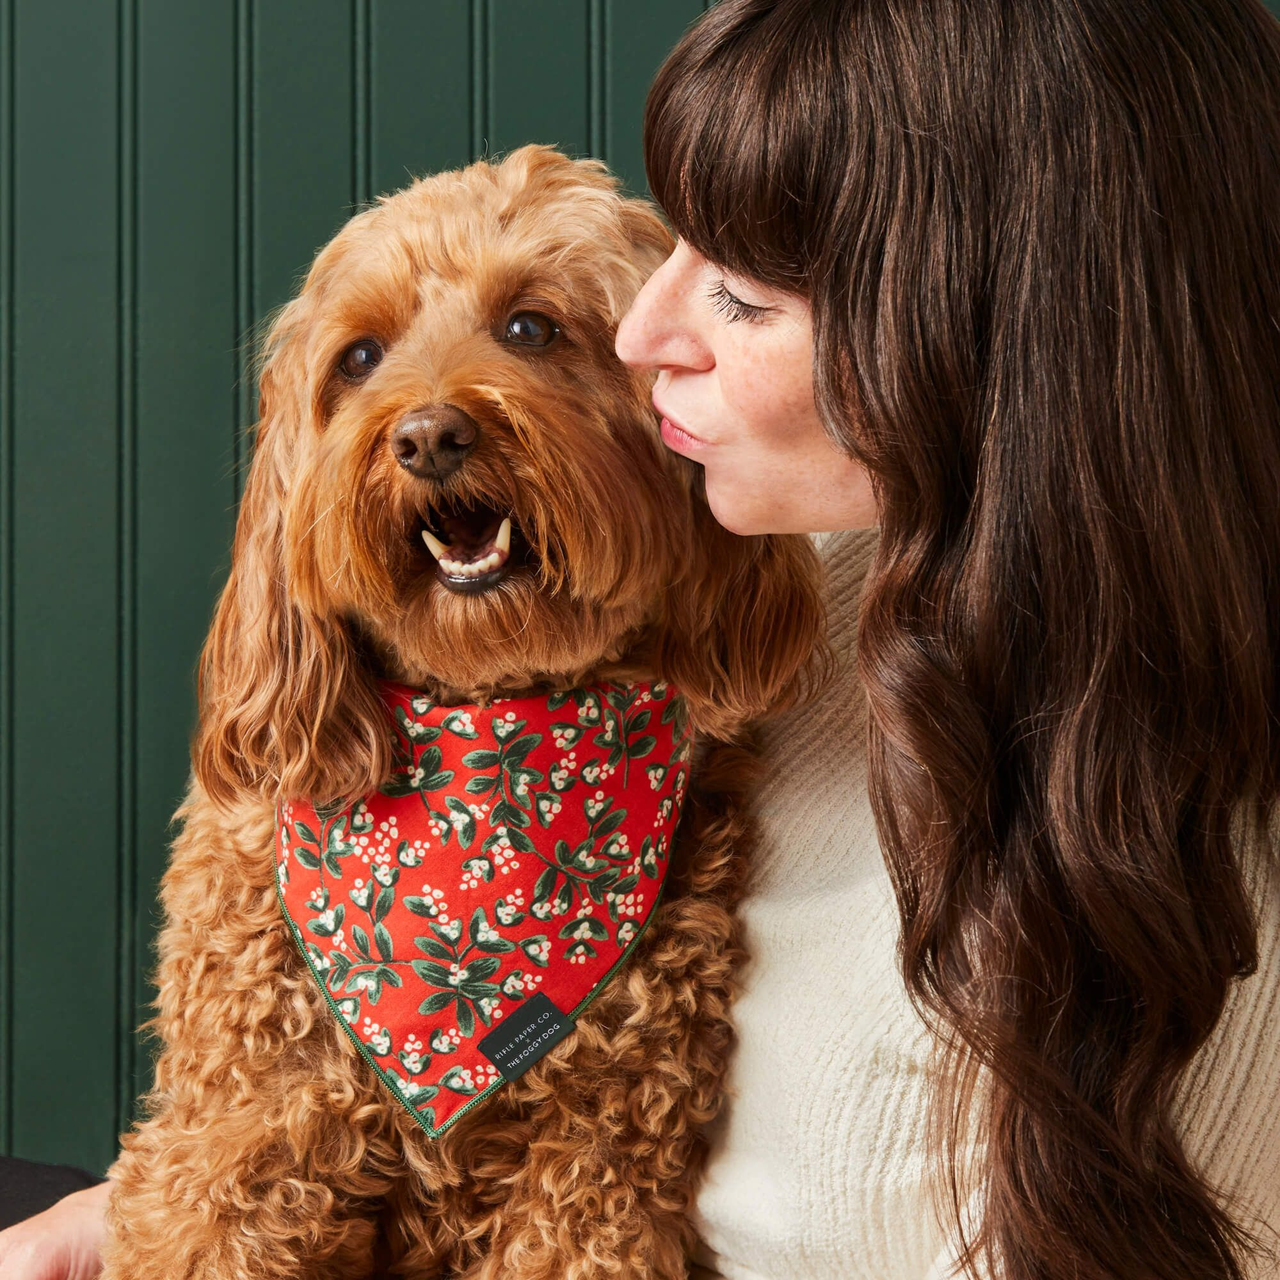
[655, 332]
[634, 341]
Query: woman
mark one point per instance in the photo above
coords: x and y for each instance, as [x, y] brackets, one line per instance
[1033, 248]
[1034, 251]
[993, 291]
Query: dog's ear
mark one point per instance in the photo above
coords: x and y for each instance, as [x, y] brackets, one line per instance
[744, 629]
[285, 706]
[650, 237]
[641, 244]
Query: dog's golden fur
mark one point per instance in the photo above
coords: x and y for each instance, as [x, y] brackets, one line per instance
[270, 1150]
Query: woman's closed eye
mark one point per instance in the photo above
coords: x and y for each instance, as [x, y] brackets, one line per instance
[734, 308]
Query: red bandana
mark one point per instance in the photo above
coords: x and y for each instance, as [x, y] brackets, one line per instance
[495, 821]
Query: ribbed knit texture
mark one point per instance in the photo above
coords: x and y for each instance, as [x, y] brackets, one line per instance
[818, 1167]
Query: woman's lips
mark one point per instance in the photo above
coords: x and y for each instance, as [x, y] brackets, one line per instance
[674, 436]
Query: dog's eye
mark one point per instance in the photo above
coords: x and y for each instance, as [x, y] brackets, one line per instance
[360, 358]
[532, 329]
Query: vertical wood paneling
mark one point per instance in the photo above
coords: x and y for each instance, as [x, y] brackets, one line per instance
[7, 744]
[186, 412]
[126, 555]
[66, 581]
[303, 119]
[169, 171]
[361, 72]
[538, 60]
[248, 392]
[423, 105]
[636, 46]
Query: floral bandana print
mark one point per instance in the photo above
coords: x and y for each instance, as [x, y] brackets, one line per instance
[431, 905]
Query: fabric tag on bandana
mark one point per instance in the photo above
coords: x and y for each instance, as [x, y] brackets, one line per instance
[536, 1027]
[459, 918]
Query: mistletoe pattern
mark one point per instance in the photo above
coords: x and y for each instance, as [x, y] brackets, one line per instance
[514, 849]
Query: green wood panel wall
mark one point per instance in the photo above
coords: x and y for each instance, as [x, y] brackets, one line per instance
[169, 168]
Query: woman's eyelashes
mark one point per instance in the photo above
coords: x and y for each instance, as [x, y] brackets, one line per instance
[734, 308]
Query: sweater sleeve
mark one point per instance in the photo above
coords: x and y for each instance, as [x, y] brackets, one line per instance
[1227, 1104]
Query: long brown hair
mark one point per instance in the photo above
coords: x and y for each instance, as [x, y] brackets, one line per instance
[1040, 245]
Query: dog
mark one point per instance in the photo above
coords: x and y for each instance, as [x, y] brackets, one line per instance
[457, 488]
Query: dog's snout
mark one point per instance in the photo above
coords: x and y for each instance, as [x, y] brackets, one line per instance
[432, 442]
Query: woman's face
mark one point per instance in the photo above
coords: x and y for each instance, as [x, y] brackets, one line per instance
[735, 388]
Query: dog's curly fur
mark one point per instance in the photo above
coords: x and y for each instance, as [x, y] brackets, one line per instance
[270, 1150]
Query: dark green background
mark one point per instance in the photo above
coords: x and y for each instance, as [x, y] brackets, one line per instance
[170, 168]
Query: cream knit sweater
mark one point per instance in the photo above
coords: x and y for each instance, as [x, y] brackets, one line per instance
[817, 1167]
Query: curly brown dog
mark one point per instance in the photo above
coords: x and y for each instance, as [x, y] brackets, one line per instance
[448, 365]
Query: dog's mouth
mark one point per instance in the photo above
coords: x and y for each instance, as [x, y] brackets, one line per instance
[473, 546]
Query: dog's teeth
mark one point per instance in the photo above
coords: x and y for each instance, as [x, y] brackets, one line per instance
[471, 568]
[434, 545]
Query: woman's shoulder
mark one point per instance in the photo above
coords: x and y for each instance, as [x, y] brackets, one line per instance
[840, 545]
[1227, 1105]
[846, 556]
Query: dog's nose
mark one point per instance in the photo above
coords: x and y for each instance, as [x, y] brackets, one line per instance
[432, 442]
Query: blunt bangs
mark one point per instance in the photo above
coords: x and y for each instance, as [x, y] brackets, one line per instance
[740, 124]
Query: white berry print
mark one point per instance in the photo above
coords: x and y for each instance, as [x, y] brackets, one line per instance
[515, 850]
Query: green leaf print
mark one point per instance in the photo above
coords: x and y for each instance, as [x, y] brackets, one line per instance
[361, 939]
[479, 968]
[339, 967]
[466, 1024]
[464, 823]
[485, 937]
[336, 844]
[433, 947]
[515, 837]
[413, 730]
[517, 750]
[566, 734]
[421, 906]
[480, 868]
[586, 924]
[435, 974]
[610, 822]
[459, 722]
[327, 923]
[453, 1079]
